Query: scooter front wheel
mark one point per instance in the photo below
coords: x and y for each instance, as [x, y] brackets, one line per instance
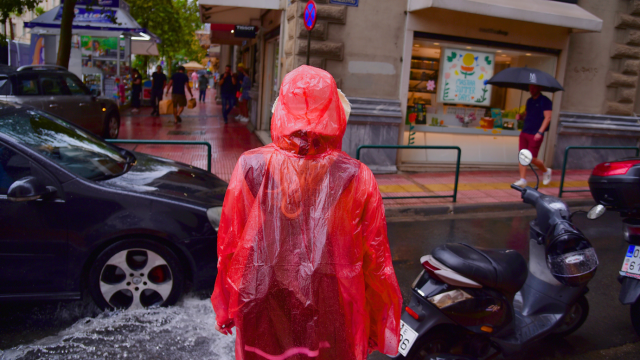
[576, 316]
[635, 316]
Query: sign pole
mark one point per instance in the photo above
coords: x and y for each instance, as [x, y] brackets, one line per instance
[308, 46]
[310, 16]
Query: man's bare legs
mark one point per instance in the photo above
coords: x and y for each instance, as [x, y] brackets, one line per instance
[177, 110]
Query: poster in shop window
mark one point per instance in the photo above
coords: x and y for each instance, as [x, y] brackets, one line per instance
[463, 77]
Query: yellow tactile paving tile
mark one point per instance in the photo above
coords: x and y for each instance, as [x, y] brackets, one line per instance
[439, 187]
[473, 186]
[400, 188]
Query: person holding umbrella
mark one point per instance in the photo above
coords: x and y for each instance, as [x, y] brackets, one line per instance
[537, 115]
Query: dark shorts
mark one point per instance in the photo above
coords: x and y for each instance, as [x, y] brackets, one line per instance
[179, 100]
[528, 142]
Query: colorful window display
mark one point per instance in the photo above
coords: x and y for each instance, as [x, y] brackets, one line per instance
[463, 75]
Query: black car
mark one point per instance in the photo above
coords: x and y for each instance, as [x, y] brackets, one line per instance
[56, 90]
[80, 214]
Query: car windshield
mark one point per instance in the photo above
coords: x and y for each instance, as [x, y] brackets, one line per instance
[67, 146]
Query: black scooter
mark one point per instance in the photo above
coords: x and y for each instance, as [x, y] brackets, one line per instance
[616, 185]
[469, 301]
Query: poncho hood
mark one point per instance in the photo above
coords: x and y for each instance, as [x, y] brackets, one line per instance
[308, 118]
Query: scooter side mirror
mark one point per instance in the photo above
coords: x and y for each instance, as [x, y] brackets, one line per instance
[524, 157]
[596, 212]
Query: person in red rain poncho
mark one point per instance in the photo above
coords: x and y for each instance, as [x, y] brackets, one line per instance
[304, 267]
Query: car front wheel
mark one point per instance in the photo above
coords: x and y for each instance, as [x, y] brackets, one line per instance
[136, 274]
[111, 126]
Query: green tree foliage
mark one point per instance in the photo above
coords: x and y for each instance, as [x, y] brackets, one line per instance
[39, 10]
[10, 7]
[175, 22]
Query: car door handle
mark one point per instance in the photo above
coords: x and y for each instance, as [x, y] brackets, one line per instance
[84, 104]
[53, 105]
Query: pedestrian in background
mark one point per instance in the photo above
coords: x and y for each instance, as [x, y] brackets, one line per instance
[537, 117]
[136, 90]
[227, 92]
[203, 83]
[245, 87]
[194, 79]
[178, 82]
[304, 265]
[158, 82]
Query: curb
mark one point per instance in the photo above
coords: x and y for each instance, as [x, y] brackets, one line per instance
[457, 209]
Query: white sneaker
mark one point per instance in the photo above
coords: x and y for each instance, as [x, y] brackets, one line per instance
[546, 177]
[522, 183]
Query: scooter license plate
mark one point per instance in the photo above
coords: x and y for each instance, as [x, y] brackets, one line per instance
[631, 264]
[407, 337]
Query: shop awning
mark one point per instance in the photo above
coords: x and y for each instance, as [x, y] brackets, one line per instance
[95, 22]
[536, 11]
[238, 12]
[142, 47]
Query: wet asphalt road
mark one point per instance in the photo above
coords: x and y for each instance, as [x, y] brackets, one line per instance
[77, 330]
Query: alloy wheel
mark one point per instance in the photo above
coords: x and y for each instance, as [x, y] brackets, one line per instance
[114, 127]
[136, 279]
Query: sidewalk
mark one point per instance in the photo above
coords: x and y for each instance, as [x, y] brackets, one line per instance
[204, 123]
[474, 187]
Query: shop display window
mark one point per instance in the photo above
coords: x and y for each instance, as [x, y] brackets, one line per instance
[447, 84]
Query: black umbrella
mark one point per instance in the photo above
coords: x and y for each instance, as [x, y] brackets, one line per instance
[522, 77]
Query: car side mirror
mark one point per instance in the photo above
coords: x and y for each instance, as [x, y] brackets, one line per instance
[28, 189]
[95, 92]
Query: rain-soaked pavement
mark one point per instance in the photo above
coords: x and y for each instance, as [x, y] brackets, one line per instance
[77, 330]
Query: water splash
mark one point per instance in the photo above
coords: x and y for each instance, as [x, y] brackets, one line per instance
[184, 331]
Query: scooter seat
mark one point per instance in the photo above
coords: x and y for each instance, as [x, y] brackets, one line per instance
[503, 270]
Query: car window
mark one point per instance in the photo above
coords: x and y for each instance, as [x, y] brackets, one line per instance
[27, 84]
[52, 85]
[13, 166]
[73, 149]
[5, 85]
[75, 86]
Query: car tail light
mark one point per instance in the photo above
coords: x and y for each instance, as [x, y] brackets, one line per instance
[614, 168]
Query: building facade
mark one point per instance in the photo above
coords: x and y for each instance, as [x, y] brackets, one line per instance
[414, 70]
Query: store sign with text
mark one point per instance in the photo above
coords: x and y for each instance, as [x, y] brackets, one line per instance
[244, 31]
[463, 77]
[95, 15]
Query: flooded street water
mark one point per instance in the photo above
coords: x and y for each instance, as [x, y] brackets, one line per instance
[184, 331]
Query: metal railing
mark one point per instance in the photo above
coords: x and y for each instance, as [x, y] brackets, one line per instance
[566, 155]
[426, 147]
[166, 142]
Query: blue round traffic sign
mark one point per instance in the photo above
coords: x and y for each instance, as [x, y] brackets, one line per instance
[310, 15]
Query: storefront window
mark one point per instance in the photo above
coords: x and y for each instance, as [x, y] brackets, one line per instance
[449, 102]
[447, 84]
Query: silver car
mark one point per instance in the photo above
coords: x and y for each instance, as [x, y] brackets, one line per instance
[56, 90]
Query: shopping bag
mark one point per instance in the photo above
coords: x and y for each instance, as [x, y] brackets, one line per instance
[165, 107]
[191, 104]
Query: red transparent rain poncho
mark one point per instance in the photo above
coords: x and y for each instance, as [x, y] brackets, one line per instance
[304, 267]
